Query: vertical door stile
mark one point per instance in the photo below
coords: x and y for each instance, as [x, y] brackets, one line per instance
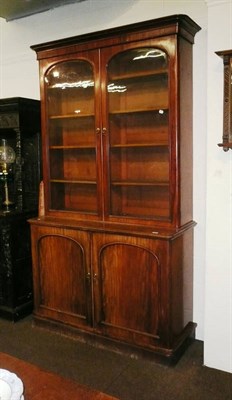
[98, 130]
[104, 134]
[91, 269]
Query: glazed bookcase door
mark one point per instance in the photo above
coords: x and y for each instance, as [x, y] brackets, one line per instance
[72, 145]
[138, 139]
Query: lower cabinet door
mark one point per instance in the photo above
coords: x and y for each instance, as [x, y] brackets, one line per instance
[62, 276]
[130, 289]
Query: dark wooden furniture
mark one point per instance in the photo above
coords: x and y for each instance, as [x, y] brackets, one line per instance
[20, 126]
[226, 144]
[113, 253]
[16, 299]
[40, 384]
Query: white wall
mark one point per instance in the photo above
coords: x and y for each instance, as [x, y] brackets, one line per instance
[218, 289]
[19, 77]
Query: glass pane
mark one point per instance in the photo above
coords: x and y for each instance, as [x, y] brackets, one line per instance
[71, 135]
[138, 103]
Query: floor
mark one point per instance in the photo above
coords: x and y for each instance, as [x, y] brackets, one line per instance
[113, 373]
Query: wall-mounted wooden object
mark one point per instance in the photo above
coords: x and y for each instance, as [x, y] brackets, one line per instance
[226, 55]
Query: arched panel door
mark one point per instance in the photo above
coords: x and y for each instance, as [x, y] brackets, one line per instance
[127, 290]
[64, 287]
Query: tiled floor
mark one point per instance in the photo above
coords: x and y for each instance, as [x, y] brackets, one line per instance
[113, 373]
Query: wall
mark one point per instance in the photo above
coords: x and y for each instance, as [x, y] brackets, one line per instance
[19, 77]
[218, 288]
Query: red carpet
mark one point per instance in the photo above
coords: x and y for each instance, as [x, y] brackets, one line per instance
[42, 385]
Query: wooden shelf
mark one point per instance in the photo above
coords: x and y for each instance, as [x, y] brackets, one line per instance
[79, 182]
[139, 110]
[81, 147]
[139, 145]
[139, 75]
[70, 116]
[155, 184]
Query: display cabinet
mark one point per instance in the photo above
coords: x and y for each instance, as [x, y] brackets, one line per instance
[19, 129]
[117, 154]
